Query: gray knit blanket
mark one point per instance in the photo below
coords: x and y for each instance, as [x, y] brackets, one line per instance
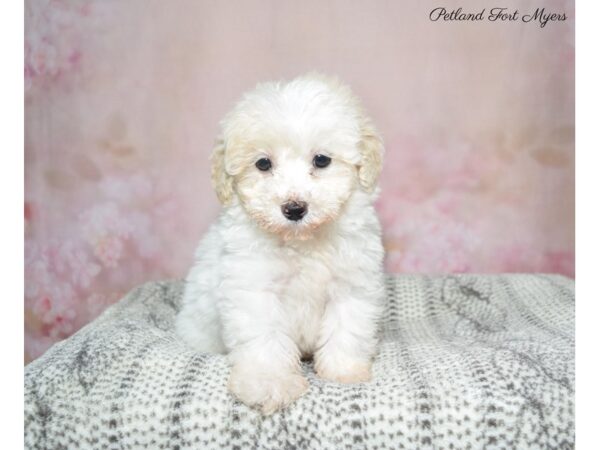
[464, 362]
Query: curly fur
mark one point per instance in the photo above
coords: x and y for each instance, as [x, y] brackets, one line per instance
[267, 290]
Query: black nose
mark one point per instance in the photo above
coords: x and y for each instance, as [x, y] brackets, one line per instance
[294, 210]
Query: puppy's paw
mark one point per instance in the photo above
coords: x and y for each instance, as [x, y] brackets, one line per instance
[269, 392]
[344, 370]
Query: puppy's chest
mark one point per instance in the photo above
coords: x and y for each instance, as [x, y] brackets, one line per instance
[305, 295]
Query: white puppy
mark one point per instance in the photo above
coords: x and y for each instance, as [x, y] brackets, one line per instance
[293, 266]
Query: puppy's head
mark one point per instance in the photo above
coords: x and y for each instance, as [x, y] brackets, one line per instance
[293, 154]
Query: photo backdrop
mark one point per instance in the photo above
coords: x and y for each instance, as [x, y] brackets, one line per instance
[123, 101]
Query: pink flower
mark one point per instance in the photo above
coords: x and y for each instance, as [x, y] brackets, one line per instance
[81, 268]
[108, 249]
[53, 33]
[56, 309]
[102, 220]
[37, 271]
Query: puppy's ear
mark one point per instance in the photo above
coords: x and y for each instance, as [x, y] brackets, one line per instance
[371, 155]
[221, 180]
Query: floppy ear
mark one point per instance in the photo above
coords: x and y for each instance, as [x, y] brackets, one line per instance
[221, 180]
[371, 156]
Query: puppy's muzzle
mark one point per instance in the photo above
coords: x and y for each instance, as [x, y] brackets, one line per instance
[294, 210]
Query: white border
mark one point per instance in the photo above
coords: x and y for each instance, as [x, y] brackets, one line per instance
[12, 222]
[587, 224]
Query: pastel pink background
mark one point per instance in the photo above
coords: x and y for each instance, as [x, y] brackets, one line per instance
[123, 100]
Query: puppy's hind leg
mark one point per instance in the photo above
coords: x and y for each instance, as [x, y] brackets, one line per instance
[199, 325]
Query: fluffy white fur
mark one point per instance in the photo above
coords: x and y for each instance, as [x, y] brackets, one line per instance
[267, 290]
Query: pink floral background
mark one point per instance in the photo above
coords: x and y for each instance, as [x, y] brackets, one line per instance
[123, 100]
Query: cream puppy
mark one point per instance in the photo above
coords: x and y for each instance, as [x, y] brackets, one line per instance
[293, 266]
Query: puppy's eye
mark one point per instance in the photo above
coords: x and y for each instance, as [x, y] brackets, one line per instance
[320, 161]
[263, 164]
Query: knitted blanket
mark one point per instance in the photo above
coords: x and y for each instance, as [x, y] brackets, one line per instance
[464, 362]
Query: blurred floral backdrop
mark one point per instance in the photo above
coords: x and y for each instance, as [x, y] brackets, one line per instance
[123, 100]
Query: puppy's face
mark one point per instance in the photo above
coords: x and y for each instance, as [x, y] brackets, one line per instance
[294, 153]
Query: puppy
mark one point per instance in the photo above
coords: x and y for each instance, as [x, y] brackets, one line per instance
[293, 266]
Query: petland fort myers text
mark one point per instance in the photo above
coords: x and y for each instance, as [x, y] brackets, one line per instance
[540, 16]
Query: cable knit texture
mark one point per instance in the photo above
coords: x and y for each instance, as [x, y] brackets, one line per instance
[464, 362]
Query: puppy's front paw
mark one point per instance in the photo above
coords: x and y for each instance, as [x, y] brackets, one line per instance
[269, 392]
[346, 370]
